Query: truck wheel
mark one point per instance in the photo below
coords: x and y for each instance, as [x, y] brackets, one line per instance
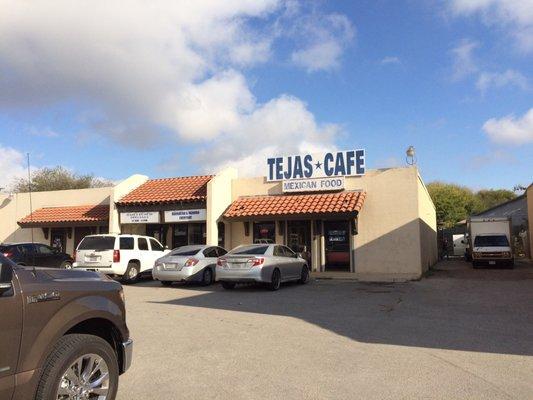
[79, 367]
[132, 273]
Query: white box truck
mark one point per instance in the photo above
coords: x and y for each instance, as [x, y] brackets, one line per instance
[490, 241]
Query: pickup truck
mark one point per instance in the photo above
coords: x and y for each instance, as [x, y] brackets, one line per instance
[63, 334]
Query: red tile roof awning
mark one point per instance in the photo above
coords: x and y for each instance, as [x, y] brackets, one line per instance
[283, 205]
[169, 190]
[67, 214]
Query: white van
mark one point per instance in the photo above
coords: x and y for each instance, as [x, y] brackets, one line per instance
[123, 256]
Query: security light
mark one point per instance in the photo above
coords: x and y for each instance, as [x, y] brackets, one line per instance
[410, 156]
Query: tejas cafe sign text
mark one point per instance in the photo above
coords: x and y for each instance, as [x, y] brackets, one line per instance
[316, 172]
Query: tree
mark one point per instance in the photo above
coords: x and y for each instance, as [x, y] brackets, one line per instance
[453, 202]
[58, 178]
[490, 198]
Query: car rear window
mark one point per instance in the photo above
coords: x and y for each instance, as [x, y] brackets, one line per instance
[97, 243]
[249, 250]
[491, 241]
[185, 251]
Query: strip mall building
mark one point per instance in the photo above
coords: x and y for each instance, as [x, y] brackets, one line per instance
[377, 225]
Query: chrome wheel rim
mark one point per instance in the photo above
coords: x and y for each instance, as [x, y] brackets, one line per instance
[68, 266]
[87, 378]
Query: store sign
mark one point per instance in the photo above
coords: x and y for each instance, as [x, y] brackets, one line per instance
[186, 215]
[313, 185]
[320, 165]
[139, 217]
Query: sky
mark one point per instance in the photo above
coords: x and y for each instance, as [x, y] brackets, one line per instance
[178, 88]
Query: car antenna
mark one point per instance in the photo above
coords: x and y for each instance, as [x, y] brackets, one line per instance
[31, 216]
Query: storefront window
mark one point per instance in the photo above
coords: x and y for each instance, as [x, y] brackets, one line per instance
[196, 233]
[180, 237]
[185, 234]
[264, 232]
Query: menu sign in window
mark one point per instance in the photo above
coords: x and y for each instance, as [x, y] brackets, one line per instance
[139, 217]
[186, 215]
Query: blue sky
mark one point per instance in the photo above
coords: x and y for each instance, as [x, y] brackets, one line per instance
[178, 90]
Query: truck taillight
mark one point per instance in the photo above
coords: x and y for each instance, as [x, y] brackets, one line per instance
[74, 255]
[8, 254]
[257, 261]
[191, 262]
[116, 256]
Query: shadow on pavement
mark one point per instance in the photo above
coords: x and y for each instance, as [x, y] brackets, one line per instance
[455, 308]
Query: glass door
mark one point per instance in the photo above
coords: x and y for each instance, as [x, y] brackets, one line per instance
[337, 235]
[299, 238]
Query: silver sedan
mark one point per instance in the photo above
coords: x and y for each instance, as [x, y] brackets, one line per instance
[271, 264]
[188, 263]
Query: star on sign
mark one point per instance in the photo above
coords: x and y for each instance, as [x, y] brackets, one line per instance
[318, 165]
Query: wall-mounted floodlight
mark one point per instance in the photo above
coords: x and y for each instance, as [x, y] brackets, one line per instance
[410, 156]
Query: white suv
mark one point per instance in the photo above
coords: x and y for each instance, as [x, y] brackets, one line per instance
[125, 256]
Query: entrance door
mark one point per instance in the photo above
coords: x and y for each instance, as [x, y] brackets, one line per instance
[58, 239]
[299, 238]
[337, 235]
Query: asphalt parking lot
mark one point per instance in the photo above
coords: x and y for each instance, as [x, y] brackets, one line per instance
[458, 334]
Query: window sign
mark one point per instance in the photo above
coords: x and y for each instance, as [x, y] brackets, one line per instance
[139, 217]
[318, 165]
[185, 215]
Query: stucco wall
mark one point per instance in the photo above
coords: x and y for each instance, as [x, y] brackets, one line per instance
[397, 225]
[218, 199]
[14, 208]
[119, 191]
[428, 227]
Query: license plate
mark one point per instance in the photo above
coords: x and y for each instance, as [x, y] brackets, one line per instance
[492, 262]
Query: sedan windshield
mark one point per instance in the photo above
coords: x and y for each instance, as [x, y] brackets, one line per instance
[249, 250]
[491, 241]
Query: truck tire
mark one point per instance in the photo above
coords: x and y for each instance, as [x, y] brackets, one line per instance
[66, 265]
[132, 273]
[79, 365]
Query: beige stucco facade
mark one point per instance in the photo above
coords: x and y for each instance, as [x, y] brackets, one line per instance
[396, 235]
[392, 239]
[17, 206]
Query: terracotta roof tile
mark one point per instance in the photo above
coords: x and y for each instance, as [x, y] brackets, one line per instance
[345, 202]
[168, 190]
[88, 213]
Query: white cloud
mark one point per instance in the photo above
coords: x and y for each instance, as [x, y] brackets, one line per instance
[511, 130]
[44, 132]
[12, 165]
[270, 129]
[464, 63]
[488, 80]
[390, 60]
[516, 16]
[324, 39]
[163, 65]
